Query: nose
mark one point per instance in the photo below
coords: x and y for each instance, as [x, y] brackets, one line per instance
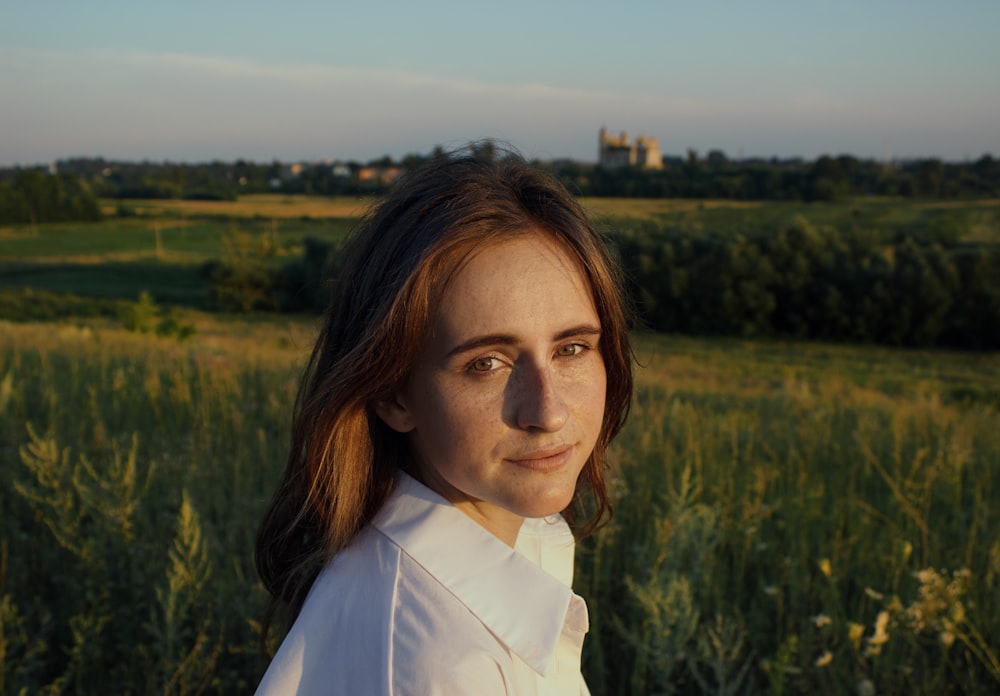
[535, 399]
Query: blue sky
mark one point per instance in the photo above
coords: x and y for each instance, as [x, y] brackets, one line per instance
[296, 80]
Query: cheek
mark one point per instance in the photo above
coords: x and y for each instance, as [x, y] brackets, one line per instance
[592, 397]
[452, 423]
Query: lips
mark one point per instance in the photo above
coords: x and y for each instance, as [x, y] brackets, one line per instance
[547, 459]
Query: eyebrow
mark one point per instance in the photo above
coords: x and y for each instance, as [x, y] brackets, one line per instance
[510, 340]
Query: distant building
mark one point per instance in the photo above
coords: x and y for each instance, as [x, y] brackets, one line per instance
[618, 151]
[379, 175]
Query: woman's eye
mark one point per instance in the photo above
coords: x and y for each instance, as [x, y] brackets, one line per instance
[482, 364]
[570, 349]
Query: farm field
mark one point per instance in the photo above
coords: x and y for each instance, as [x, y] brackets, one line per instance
[790, 517]
[163, 246]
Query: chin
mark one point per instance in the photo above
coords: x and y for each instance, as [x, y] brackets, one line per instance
[544, 504]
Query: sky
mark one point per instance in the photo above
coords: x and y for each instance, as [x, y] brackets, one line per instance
[306, 81]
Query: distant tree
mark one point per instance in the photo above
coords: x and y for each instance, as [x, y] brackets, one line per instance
[36, 197]
[487, 149]
[716, 160]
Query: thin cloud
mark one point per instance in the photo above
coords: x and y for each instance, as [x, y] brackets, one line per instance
[312, 76]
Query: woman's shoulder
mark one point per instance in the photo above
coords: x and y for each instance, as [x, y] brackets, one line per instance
[376, 621]
[342, 633]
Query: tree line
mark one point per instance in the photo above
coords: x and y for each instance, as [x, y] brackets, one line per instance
[805, 282]
[825, 179]
[801, 282]
[34, 197]
[712, 176]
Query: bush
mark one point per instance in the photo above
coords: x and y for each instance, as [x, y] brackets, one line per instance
[144, 316]
[241, 281]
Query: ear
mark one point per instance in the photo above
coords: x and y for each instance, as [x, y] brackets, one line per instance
[395, 414]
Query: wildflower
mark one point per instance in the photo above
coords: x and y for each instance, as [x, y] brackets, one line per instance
[770, 590]
[825, 568]
[877, 596]
[824, 659]
[938, 606]
[821, 620]
[907, 551]
[866, 688]
[854, 633]
[881, 636]
[881, 623]
[947, 638]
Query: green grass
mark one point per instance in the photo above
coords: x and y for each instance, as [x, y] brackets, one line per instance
[180, 240]
[771, 499]
[770, 496]
[121, 257]
[167, 283]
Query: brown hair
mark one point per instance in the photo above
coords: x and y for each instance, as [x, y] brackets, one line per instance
[344, 459]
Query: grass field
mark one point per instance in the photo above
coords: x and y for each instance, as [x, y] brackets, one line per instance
[759, 487]
[163, 255]
[789, 517]
[279, 206]
[160, 246]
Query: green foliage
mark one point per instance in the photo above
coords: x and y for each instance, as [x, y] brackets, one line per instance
[144, 316]
[809, 282]
[827, 179]
[304, 283]
[96, 597]
[187, 662]
[771, 502]
[35, 197]
[28, 304]
[242, 281]
[798, 508]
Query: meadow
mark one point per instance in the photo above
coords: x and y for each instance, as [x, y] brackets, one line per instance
[789, 517]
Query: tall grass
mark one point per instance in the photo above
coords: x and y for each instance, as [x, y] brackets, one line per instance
[763, 528]
[789, 518]
[139, 471]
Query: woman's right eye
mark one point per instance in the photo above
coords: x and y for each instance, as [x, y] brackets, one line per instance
[484, 364]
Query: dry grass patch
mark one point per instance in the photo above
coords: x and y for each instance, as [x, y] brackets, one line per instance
[258, 205]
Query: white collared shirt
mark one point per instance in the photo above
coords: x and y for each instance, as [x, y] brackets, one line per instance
[425, 601]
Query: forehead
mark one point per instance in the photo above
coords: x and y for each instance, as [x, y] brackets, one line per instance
[515, 284]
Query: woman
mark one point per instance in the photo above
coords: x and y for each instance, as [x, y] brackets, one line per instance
[473, 367]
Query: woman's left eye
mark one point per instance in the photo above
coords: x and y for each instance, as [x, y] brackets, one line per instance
[570, 349]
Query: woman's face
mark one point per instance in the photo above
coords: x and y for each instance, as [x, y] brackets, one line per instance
[506, 401]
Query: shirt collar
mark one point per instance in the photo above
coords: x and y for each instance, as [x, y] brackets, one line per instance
[519, 602]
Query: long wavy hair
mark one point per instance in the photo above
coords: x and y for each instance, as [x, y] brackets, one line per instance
[344, 460]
